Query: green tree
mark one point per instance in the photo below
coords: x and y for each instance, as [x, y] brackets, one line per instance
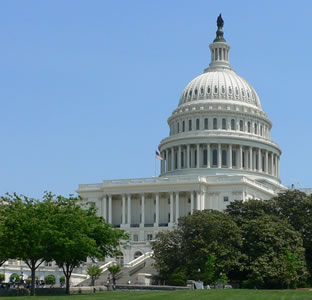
[94, 271]
[62, 281]
[273, 253]
[114, 270]
[76, 233]
[2, 277]
[25, 222]
[50, 280]
[198, 238]
[14, 277]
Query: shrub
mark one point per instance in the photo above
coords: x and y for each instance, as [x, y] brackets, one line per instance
[2, 277]
[50, 279]
[15, 278]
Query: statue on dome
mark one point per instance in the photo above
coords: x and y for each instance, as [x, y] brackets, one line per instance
[220, 22]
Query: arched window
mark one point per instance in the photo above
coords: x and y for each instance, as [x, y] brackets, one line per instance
[195, 92]
[236, 91]
[224, 124]
[183, 126]
[241, 125]
[137, 254]
[223, 89]
[178, 127]
[215, 89]
[256, 128]
[261, 130]
[249, 127]
[197, 124]
[206, 123]
[224, 156]
[201, 90]
[208, 90]
[190, 125]
[232, 124]
[215, 123]
[215, 157]
[230, 90]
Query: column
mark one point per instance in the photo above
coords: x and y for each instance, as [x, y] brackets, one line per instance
[275, 165]
[156, 224]
[142, 210]
[251, 158]
[179, 158]
[110, 202]
[198, 201]
[105, 207]
[192, 202]
[188, 156]
[230, 158]
[240, 156]
[278, 167]
[177, 207]
[219, 156]
[266, 162]
[208, 155]
[172, 159]
[259, 160]
[171, 209]
[123, 219]
[167, 160]
[129, 211]
[197, 158]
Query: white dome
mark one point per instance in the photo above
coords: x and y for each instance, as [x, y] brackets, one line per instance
[220, 84]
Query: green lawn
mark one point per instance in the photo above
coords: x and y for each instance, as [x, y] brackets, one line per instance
[177, 295]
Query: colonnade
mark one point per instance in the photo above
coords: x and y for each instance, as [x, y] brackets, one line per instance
[220, 156]
[196, 202]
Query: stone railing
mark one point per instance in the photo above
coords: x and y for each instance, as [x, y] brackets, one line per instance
[139, 259]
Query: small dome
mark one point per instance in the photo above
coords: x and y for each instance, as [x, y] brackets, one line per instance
[220, 84]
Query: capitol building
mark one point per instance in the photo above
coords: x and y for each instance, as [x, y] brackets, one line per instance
[218, 150]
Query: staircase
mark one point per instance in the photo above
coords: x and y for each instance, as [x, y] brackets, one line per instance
[130, 271]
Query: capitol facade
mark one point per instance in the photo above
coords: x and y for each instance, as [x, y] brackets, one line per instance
[218, 150]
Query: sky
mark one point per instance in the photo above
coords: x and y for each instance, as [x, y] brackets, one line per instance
[86, 87]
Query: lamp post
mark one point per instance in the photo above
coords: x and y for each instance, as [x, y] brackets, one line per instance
[198, 274]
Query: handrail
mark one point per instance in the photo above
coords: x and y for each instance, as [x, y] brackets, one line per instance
[139, 259]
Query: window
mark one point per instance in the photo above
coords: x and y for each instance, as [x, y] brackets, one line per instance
[183, 126]
[195, 153]
[149, 236]
[215, 157]
[232, 124]
[215, 123]
[236, 91]
[190, 93]
[243, 93]
[225, 199]
[243, 159]
[256, 128]
[120, 260]
[230, 90]
[215, 89]
[190, 125]
[249, 127]
[206, 123]
[135, 237]
[197, 124]
[224, 124]
[234, 158]
[185, 95]
[208, 90]
[137, 254]
[201, 90]
[178, 127]
[182, 159]
[223, 89]
[241, 125]
[189, 200]
[48, 264]
[195, 92]
[261, 130]
[224, 156]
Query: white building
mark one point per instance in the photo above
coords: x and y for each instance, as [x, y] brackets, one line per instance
[219, 150]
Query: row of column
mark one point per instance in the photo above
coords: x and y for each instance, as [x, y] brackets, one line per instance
[107, 208]
[192, 156]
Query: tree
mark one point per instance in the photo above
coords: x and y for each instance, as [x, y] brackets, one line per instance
[273, 253]
[50, 280]
[25, 222]
[208, 241]
[15, 278]
[76, 233]
[94, 271]
[114, 270]
[62, 281]
[2, 277]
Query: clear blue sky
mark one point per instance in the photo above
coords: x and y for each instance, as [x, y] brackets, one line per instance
[86, 87]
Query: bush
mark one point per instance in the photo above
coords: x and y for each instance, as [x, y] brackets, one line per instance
[19, 292]
[50, 279]
[2, 277]
[178, 277]
[15, 278]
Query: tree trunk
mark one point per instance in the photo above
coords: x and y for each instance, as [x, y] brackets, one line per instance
[33, 278]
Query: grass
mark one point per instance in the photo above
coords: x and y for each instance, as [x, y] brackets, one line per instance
[181, 295]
